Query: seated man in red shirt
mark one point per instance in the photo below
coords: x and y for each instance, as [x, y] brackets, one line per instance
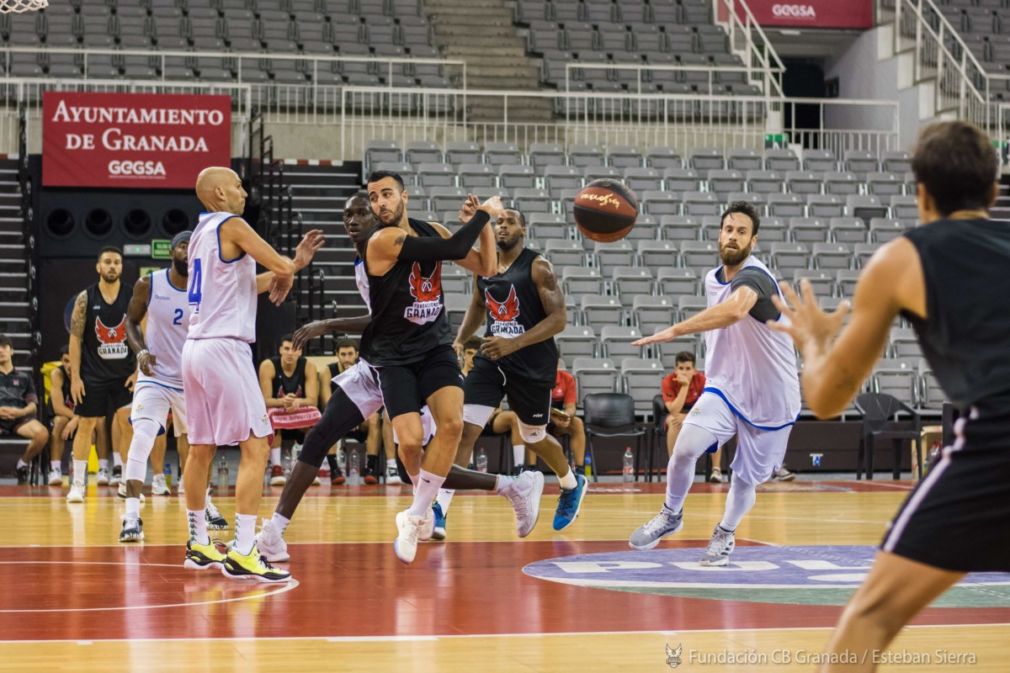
[681, 389]
[564, 397]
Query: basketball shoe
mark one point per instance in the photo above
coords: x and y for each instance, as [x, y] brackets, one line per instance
[202, 556]
[252, 566]
[665, 523]
[133, 531]
[719, 547]
[524, 494]
[271, 543]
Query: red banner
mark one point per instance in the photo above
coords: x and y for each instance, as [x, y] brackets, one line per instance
[159, 141]
[812, 13]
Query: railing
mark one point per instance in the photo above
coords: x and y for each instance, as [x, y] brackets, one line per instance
[748, 40]
[645, 72]
[244, 63]
[962, 85]
[842, 124]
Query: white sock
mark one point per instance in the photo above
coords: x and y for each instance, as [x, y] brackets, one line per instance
[519, 454]
[21, 462]
[275, 456]
[444, 498]
[568, 482]
[198, 526]
[103, 463]
[80, 471]
[56, 465]
[245, 533]
[133, 508]
[117, 460]
[428, 484]
[280, 522]
[414, 478]
[739, 500]
[207, 501]
[503, 483]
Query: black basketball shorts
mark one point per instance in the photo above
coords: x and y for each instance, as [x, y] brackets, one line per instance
[406, 388]
[103, 398]
[487, 383]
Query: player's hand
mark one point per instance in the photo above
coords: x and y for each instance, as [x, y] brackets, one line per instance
[77, 390]
[493, 207]
[279, 289]
[307, 248]
[561, 420]
[683, 379]
[289, 401]
[497, 347]
[662, 336]
[308, 332]
[458, 347]
[130, 381]
[146, 361]
[7, 413]
[70, 429]
[469, 208]
[803, 319]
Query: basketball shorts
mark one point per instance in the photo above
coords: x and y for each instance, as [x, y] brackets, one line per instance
[103, 398]
[224, 405]
[153, 401]
[10, 426]
[427, 424]
[758, 451]
[406, 388]
[360, 383]
[486, 385]
[956, 518]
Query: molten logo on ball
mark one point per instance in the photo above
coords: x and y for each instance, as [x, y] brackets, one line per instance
[606, 199]
[605, 210]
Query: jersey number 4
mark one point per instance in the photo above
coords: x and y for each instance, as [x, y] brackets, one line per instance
[195, 283]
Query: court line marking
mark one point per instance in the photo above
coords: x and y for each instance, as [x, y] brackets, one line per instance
[455, 636]
[281, 588]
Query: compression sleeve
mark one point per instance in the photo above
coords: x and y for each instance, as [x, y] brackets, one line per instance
[457, 246]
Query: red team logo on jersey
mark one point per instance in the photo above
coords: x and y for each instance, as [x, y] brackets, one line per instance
[112, 340]
[427, 294]
[503, 314]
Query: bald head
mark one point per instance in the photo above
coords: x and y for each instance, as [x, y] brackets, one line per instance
[220, 190]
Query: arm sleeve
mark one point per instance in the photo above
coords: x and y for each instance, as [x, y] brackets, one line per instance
[457, 246]
[759, 281]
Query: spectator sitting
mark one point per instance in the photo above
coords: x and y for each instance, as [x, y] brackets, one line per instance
[288, 382]
[681, 389]
[564, 422]
[18, 404]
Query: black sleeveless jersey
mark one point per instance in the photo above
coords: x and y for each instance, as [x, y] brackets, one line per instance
[334, 372]
[105, 355]
[965, 336]
[408, 311]
[514, 307]
[288, 385]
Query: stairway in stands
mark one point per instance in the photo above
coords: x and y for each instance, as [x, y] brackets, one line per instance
[1001, 211]
[14, 300]
[318, 194]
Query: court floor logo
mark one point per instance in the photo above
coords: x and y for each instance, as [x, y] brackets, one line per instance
[815, 575]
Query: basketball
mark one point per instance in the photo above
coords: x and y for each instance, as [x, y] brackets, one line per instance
[605, 210]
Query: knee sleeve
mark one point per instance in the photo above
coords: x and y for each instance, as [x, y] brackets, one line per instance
[477, 414]
[340, 417]
[145, 432]
[532, 434]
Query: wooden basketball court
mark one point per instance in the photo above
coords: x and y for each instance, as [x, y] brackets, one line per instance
[581, 600]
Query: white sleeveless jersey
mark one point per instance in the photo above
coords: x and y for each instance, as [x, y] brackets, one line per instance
[751, 367]
[361, 280]
[222, 293]
[168, 313]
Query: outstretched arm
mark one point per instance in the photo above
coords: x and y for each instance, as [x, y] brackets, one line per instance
[352, 325]
[734, 309]
[472, 320]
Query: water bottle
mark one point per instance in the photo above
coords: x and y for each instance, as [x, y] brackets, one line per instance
[222, 475]
[354, 468]
[629, 464]
[168, 474]
[481, 461]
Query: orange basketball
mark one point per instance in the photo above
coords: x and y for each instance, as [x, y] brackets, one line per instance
[605, 210]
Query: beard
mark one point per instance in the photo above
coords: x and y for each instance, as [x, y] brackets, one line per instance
[507, 244]
[110, 277]
[181, 267]
[397, 216]
[733, 256]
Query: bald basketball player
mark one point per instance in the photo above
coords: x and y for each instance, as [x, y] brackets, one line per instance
[223, 401]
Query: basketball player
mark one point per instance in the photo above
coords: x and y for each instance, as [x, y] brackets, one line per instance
[100, 361]
[518, 357]
[160, 297]
[752, 391]
[368, 433]
[223, 402]
[288, 381]
[949, 279]
[357, 396]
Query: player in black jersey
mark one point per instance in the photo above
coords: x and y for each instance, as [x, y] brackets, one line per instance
[525, 308]
[288, 381]
[949, 279]
[100, 361]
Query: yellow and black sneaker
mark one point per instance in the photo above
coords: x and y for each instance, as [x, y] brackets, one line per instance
[252, 566]
[203, 556]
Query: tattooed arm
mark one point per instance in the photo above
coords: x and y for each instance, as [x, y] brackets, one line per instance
[77, 391]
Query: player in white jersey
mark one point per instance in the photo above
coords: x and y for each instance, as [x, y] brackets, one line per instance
[753, 388]
[223, 402]
[357, 397]
[160, 298]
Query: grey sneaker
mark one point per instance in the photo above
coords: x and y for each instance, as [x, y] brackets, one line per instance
[719, 547]
[524, 494]
[663, 524]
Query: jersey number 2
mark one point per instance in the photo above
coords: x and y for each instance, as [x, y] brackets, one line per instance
[194, 286]
[178, 317]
